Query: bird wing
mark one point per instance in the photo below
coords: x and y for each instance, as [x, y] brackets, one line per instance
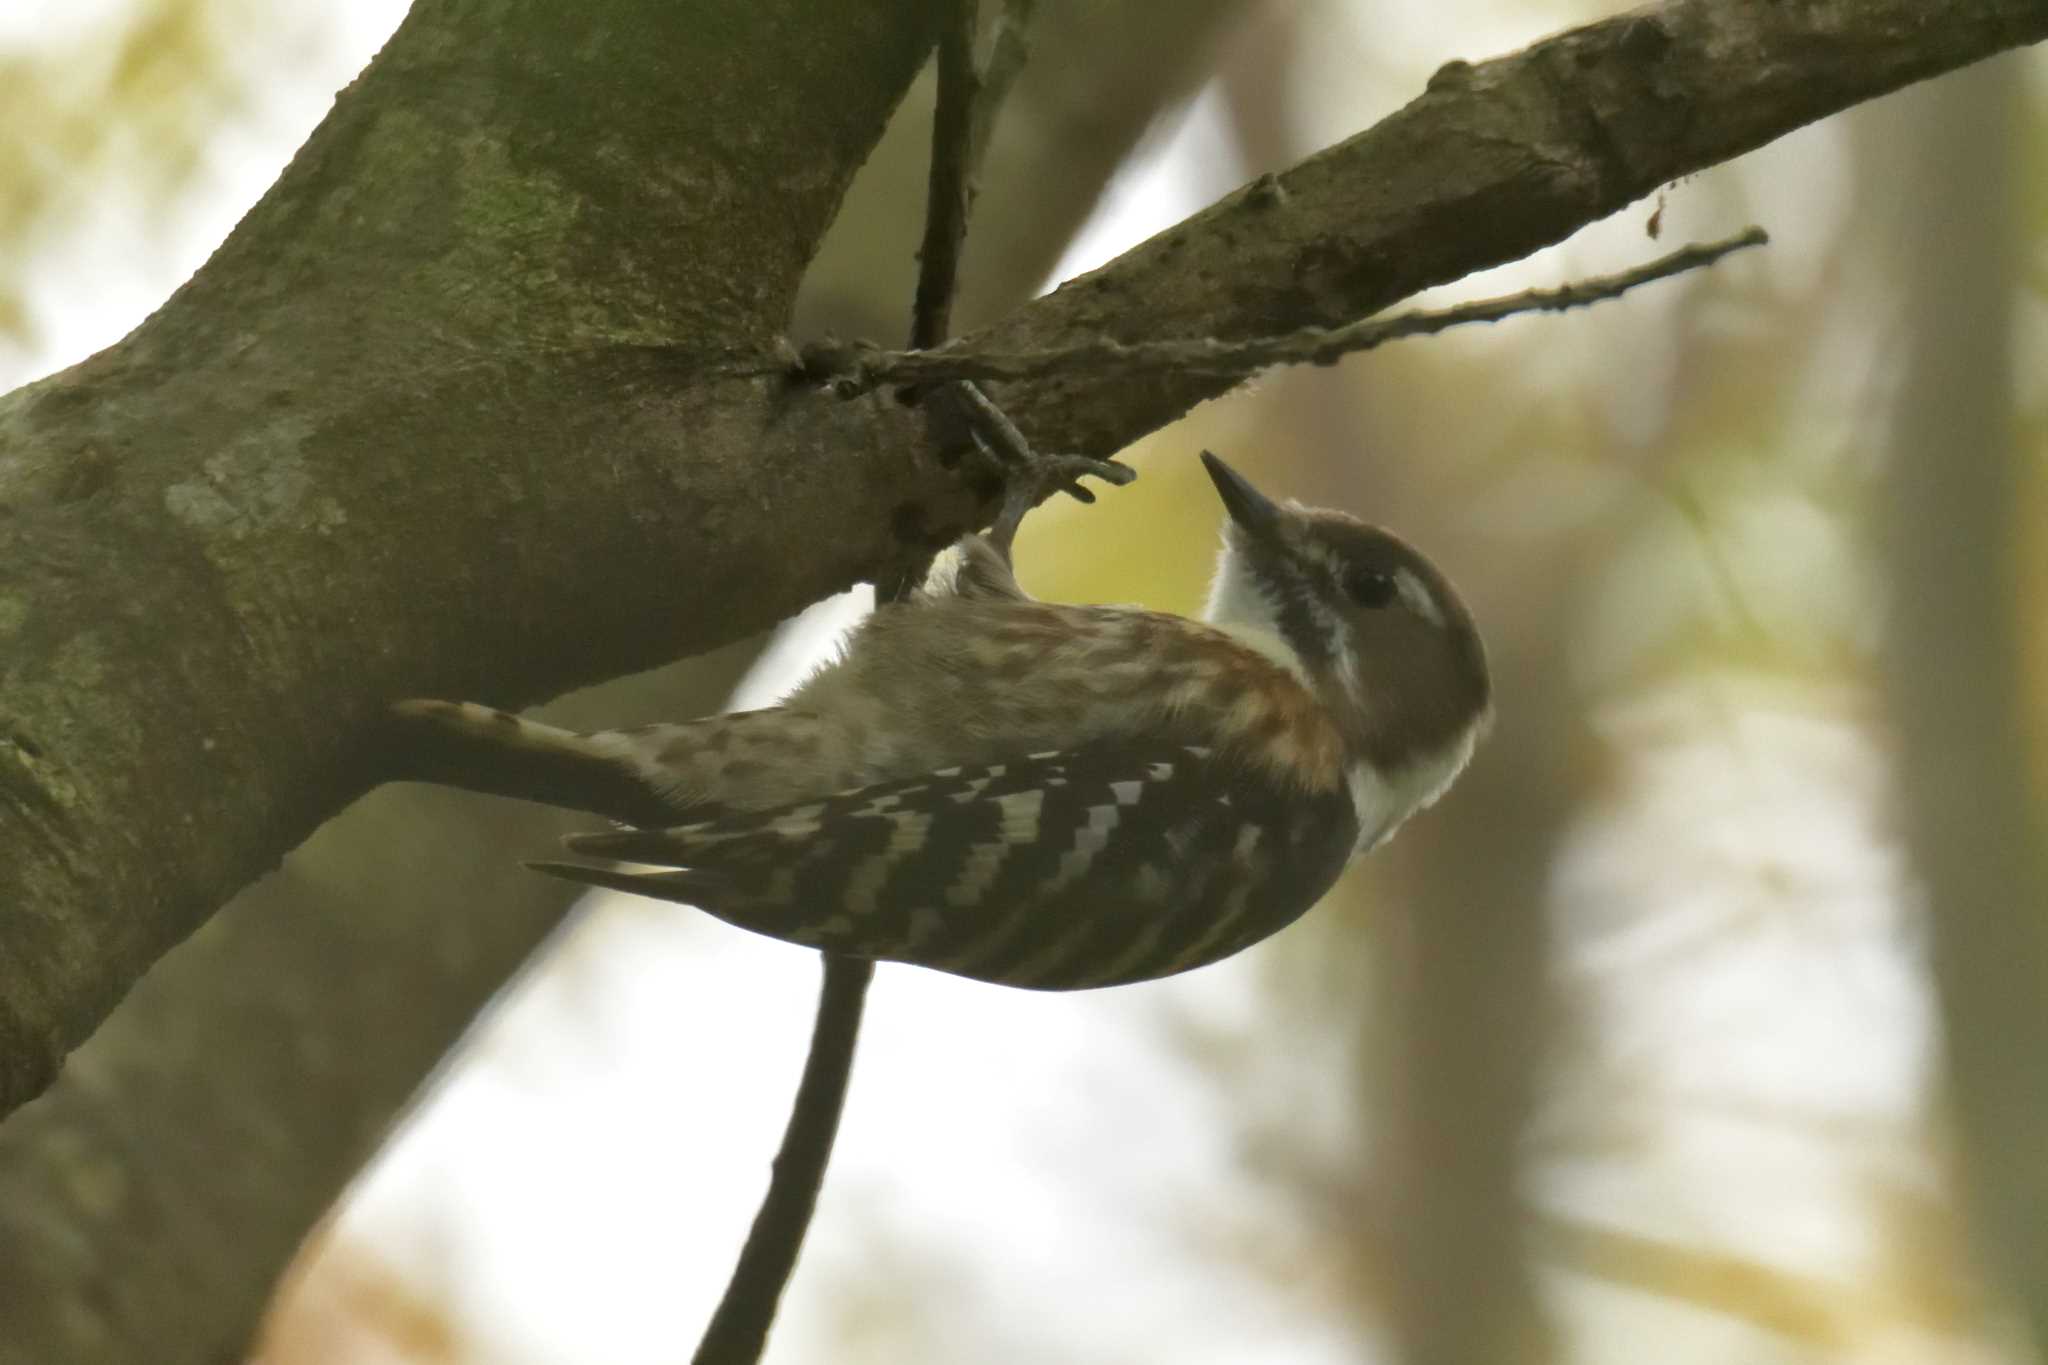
[1085, 867]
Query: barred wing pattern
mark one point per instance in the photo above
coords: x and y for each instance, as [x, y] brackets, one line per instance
[1058, 871]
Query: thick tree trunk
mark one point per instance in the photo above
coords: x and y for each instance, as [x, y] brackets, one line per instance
[409, 403]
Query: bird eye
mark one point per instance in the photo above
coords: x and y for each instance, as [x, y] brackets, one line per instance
[1369, 587]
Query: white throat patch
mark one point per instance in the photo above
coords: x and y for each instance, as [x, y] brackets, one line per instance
[1240, 609]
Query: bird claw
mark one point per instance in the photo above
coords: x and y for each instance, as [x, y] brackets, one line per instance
[1028, 476]
[1063, 470]
[1025, 488]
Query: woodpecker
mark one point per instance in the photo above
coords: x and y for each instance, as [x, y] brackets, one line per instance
[1037, 794]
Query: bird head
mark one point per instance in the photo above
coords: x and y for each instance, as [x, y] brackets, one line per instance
[1361, 617]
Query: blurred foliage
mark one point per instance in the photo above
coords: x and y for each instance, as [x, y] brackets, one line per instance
[1710, 450]
[2030, 373]
[108, 113]
[363, 1310]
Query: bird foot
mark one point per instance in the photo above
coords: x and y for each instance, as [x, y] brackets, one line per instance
[1029, 477]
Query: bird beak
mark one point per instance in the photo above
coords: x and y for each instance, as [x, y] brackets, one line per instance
[1257, 514]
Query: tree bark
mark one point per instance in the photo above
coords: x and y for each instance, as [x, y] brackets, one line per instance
[490, 371]
[362, 452]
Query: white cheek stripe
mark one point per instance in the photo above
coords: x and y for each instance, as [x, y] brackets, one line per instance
[1418, 597]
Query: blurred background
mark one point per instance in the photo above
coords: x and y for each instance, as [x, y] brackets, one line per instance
[1630, 1050]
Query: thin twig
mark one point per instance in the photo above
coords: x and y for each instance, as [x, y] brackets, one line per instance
[739, 1328]
[738, 1331]
[968, 100]
[855, 369]
[950, 189]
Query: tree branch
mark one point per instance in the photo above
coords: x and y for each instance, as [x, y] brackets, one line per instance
[286, 498]
[854, 370]
[950, 187]
[1491, 162]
